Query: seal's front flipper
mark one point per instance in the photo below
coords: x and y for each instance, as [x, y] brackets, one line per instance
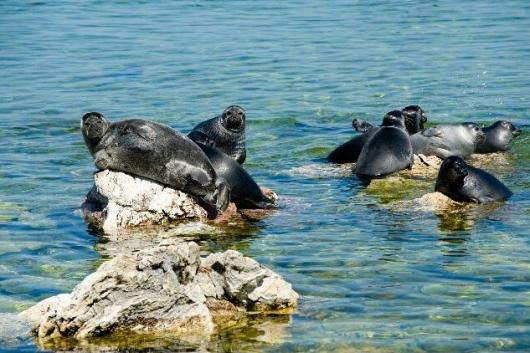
[222, 194]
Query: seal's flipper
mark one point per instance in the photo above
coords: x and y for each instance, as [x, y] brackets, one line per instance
[146, 132]
[432, 132]
[222, 194]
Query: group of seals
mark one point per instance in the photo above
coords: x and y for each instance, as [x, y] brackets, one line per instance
[208, 162]
[414, 119]
[156, 152]
[196, 164]
[383, 150]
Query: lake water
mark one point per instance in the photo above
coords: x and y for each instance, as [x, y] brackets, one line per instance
[371, 278]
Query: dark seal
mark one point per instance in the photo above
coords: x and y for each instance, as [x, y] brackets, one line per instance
[244, 191]
[464, 183]
[415, 118]
[498, 137]
[225, 132]
[156, 152]
[448, 140]
[387, 151]
[349, 152]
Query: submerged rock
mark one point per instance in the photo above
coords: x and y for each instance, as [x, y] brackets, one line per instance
[165, 289]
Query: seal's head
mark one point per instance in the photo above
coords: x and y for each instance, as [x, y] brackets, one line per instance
[451, 175]
[475, 131]
[506, 127]
[395, 119]
[415, 118]
[233, 118]
[94, 126]
[360, 125]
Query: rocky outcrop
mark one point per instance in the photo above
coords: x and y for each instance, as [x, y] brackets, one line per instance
[119, 201]
[165, 289]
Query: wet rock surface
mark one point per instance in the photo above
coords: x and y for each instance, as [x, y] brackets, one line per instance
[168, 288]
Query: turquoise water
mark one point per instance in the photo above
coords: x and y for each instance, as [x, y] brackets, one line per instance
[371, 279]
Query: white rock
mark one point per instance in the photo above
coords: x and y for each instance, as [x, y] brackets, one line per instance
[167, 288]
[119, 201]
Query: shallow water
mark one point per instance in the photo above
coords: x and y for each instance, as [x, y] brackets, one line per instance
[371, 278]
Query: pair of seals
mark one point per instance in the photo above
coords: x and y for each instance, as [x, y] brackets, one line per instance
[498, 137]
[389, 149]
[156, 152]
[464, 183]
[448, 140]
[225, 132]
[414, 119]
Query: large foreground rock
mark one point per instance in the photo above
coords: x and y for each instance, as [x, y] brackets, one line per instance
[167, 288]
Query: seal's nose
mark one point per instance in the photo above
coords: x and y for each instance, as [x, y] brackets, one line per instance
[517, 132]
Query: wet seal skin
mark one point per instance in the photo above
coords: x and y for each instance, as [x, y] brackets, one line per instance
[244, 191]
[499, 135]
[156, 152]
[448, 140]
[464, 183]
[389, 150]
[225, 132]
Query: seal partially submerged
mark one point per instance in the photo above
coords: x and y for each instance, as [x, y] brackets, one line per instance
[464, 183]
[448, 140]
[387, 151]
[225, 132]
[349, 152]
[156, 152]
[498, 137]
[244, 191]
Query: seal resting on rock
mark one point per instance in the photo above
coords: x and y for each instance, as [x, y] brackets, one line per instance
[349, 152]
[244, 191]
[464, 183]
[387, 151]
[156, 152]
[448, 140]
[225, 132]
[498, 137]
